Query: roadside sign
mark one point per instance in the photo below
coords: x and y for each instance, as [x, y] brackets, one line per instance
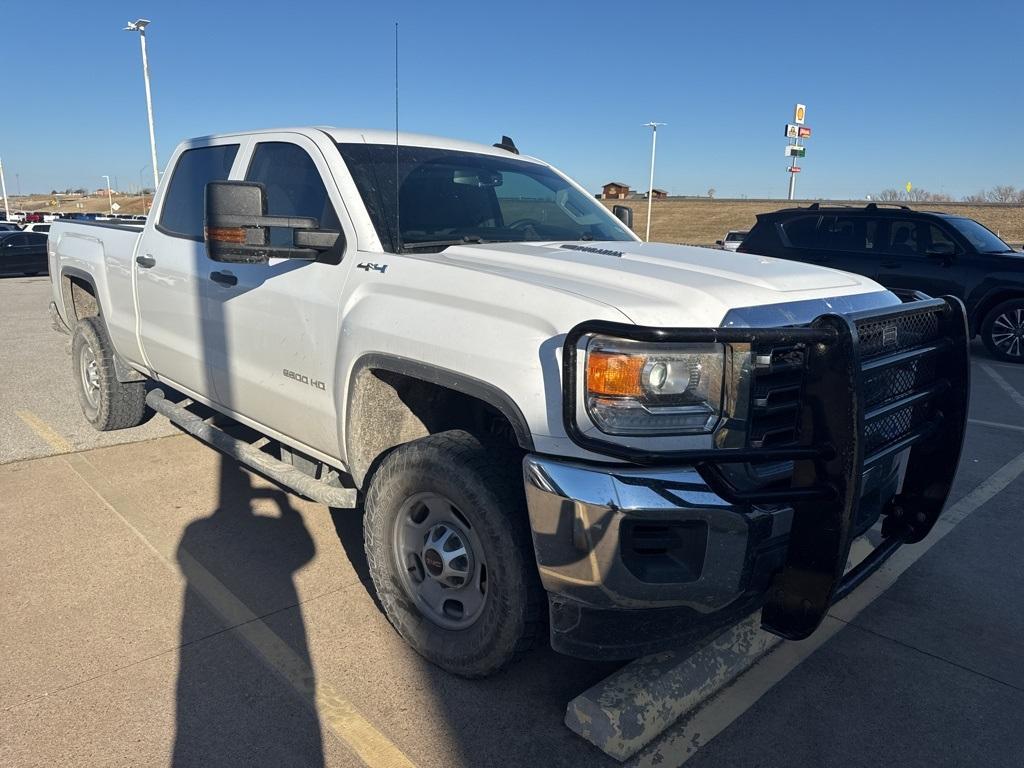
[794, 151]
[799, 113]
[802, 132]
[115, 206]
[909, 187]
[794, 169]
[792, 131]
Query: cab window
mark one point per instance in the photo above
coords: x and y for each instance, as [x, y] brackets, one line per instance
[294, 187]
[183, 211]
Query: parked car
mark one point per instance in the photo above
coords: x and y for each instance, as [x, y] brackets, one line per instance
[23, 253]
[647, 440]
[732, 240]
[36, 228]
[18, 216]
[9, 226]
[936, 253]
[34, 217]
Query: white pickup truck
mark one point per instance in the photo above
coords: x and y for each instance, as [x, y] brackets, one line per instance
[547, 423]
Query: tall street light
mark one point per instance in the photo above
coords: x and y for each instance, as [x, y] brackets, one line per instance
[650, 187]
[140, 27]
[110, 197]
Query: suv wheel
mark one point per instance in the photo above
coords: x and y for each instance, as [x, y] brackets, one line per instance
[450, 552]
[1003, 331]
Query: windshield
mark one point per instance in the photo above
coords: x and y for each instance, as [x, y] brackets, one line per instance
[733, 237]
[448, 196]
[981, 237]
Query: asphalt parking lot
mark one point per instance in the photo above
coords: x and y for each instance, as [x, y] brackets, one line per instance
[161, 605]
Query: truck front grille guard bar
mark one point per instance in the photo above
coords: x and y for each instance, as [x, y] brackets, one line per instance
[830, 458]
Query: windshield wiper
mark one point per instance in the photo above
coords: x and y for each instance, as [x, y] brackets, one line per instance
[422, 245]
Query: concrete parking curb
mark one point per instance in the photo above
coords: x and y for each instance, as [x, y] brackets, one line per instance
[624, 712]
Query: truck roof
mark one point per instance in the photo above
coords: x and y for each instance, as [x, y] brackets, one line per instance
[378, 136]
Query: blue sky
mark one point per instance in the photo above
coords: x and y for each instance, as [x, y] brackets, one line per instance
[927, 92]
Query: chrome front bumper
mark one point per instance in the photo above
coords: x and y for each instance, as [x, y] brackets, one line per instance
[635, 538]
[637, 560]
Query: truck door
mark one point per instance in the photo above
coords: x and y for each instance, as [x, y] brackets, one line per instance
[280, 321]
[172, 271]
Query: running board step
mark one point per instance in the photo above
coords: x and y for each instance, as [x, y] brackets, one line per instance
[248, 454]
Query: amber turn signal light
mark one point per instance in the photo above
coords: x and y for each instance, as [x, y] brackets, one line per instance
[614, 375]
[226, 234]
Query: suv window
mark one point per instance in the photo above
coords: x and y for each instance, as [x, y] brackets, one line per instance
[294, 186]
[183, 208]
[903, 238]
[35, 238]
[801, 232]
[846, 233]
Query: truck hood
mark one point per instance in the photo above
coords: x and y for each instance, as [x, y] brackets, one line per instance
[658, 283]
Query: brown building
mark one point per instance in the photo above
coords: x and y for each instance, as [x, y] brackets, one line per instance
[659, 194]
[615, 190]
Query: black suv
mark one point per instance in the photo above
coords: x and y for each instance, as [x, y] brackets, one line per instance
[935, 253]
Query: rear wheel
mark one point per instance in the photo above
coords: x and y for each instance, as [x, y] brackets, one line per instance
[106, 402]
[450, 552]
[1003, 331]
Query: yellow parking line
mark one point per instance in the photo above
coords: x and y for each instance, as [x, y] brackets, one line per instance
[339, 715]
[53, 438]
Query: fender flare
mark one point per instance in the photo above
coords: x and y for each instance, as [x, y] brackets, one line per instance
[443, 377]
[124, 372]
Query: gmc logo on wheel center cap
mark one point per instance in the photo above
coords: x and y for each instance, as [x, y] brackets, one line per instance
[890, 335]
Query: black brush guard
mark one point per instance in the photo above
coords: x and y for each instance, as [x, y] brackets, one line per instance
[875, 384]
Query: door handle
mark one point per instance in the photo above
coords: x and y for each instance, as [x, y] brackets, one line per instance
[146, 261]
[224, 278]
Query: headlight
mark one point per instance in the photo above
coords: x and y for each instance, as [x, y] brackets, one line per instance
[635, 388]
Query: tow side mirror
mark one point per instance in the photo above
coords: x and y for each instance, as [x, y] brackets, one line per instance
[719, 243]
[237, 228]
[624, 214]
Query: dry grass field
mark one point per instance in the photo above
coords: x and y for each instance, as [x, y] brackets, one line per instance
[701, 221]
[70, 203]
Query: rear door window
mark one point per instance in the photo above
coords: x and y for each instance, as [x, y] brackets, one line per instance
[183, 211]
[904, 238]
[846, 233]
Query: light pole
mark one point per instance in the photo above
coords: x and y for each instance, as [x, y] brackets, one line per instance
[110, 197]
[140, 27]
[650, 186]
[3, 185]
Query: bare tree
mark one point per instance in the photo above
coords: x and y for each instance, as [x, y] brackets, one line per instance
[889, 195]
[1003, 193]
[711, 193]
[977, 197]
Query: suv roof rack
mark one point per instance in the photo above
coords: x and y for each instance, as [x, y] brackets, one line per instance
[873, 206]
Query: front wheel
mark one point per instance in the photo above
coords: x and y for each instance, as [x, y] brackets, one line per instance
[450, 552]
[1003, 331]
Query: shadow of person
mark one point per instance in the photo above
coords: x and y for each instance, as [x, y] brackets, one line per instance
[233, 708]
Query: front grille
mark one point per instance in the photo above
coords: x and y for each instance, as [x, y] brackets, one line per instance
[898, 363]
[775, 396]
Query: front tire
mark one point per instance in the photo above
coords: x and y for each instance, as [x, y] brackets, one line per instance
[450, 553]
[1003, 331]
[106, 402]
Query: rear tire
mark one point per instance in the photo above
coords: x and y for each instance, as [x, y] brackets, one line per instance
[106, 402]
[487, 609]
[1003, 331]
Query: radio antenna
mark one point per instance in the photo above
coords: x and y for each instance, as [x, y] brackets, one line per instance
[398, 200]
